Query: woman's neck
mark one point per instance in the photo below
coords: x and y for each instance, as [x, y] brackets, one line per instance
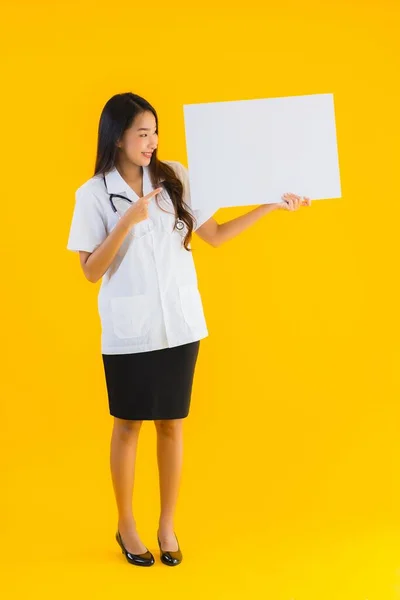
[131, 173]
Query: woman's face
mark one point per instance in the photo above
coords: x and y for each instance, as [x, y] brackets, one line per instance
[140, 140]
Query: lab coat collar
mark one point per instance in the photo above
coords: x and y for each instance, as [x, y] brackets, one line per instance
[117, 185]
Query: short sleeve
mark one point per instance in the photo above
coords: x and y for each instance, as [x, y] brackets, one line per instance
[201, 214]
[87, 230]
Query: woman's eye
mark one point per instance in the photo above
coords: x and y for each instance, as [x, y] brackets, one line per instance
[144, 134]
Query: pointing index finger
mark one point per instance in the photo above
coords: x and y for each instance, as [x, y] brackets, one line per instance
[153, 193]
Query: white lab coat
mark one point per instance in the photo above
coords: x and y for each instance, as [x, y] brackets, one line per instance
[149, 297]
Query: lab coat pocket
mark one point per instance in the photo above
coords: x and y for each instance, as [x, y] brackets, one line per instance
[130, 315]
[136, 234]
[192, 306]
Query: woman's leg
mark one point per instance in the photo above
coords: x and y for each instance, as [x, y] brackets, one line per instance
[169, 458]
[124, 442]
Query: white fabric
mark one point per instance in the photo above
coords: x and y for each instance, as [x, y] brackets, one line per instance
[149, 297]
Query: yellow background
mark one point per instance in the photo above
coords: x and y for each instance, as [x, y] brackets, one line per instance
[290, 488]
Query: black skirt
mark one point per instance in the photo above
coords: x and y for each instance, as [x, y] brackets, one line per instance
[151, 385]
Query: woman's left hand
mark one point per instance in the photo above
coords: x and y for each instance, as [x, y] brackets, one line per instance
[292, 202]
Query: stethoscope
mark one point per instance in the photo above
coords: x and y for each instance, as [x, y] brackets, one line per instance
[179, 224]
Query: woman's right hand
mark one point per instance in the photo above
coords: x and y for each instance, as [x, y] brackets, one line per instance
[139, 209]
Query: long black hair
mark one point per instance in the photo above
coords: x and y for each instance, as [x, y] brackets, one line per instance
[118, 115]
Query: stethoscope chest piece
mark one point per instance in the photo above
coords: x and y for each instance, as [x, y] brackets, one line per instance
[180, 224]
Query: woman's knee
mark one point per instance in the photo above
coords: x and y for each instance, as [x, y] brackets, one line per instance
[168, 427]
[127, 427]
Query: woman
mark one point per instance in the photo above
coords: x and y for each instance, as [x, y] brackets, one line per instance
[132, 226]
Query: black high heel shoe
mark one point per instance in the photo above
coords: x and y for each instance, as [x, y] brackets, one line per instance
[169, 557]
[141, 560]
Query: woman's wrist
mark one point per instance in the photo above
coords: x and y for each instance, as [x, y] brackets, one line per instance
[267, 208]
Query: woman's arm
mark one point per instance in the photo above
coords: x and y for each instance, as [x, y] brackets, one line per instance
[216, 234]
[95, 264]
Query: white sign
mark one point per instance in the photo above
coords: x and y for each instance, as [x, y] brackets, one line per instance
[250, 152]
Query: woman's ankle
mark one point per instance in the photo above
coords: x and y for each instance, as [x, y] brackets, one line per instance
[165, 524]
[127, 522]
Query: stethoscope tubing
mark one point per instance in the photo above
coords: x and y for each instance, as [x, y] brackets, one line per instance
[179, 224]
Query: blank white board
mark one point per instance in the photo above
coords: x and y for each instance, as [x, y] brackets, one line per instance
[252, 151]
